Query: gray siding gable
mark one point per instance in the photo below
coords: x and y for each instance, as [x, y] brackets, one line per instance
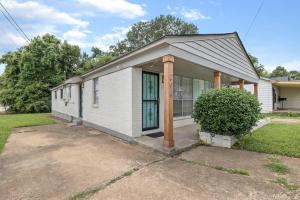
[225, 51]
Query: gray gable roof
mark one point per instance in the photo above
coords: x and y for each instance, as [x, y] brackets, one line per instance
[224, 52]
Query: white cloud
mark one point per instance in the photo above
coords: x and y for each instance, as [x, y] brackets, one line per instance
[2, 67]
[9, 38]
[36, 18]
[289, 65]
[122, 8]
[74, 34]
[193, 14]
[34, 10]
[77, 37]
[104, 41]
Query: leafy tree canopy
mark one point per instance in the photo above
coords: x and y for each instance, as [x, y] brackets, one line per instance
[260, 69]
[294, 75]
[279, 71]
[35, 68]
[143, 33]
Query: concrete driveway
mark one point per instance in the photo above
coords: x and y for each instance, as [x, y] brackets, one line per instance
[60, 162]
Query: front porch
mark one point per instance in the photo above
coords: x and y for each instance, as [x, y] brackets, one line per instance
[170, 87]
[185, 137]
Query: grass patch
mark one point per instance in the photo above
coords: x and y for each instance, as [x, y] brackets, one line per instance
[274, 138]
[278, 167]
[283, 182]
[228, 170]
[10, 121]
[232, 171]
[283, 115]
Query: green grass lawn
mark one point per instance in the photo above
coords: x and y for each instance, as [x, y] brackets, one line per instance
[275, 138]
[283, 115]
[10, 121]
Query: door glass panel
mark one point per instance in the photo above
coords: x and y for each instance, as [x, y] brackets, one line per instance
[150, 101]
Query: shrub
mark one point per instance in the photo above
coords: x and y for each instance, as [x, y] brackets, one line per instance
[228, 111]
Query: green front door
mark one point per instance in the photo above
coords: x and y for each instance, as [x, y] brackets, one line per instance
[150, 100]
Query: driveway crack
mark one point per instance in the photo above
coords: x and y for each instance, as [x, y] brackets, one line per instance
[86, 194]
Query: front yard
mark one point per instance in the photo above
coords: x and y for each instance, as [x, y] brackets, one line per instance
[275, 138]
[10, 121]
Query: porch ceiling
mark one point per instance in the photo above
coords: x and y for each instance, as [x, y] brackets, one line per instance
[189, 69]
[287, 84]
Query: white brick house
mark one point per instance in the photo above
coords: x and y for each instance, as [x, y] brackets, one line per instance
[278, 95]
[152, 89]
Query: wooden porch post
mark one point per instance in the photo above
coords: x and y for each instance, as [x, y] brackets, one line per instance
[217, 80]
[242, 83]
[255, 89]
[168, 61]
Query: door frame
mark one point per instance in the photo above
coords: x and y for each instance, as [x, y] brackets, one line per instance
[158, 99]
[80, 100]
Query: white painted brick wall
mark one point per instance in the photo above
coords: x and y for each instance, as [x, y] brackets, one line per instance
[114, 110]
[265, 95]
[72, 107]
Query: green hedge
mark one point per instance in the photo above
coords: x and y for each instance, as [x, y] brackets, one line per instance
[228, 111]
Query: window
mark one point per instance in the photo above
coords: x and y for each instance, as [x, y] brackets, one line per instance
[183, 96]
[61, 93]
[96, 91]
[70, 95]
[55, 94]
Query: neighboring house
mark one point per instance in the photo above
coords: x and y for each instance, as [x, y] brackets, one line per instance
[278, 94]
[153, 88]
[2, 109]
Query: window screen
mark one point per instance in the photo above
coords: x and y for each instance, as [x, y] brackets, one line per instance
[70, 95]
[183, 96]
[96, 90]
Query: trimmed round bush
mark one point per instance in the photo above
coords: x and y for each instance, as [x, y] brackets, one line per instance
[228, 111]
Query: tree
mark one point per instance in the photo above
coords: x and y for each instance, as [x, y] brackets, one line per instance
[260, 69]
[279, 71]
[294, 75]
[143, 33]
[96, 52]
[35, 68]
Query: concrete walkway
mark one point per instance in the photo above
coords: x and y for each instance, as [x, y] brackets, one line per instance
[185, 137]
[59, 162]
[286, 120]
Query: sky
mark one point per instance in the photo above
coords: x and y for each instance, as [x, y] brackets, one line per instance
[273, 36]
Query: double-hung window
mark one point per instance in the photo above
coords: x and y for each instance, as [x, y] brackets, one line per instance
[96, 90]
[70, 95]
[61, 93]
[183, 96]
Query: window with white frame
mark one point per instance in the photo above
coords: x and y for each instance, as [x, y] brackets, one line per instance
[61, 93]
[183, 96]
[96, 90]
[70, 94]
